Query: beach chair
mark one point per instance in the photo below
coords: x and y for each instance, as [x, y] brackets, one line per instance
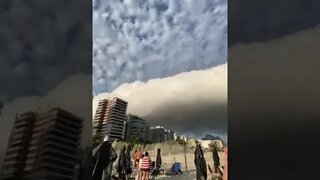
[176, 169]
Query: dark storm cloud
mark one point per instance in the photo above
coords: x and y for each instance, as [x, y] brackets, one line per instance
[41, 44]
[281, 70]
[273, 106]
[192, 102]
[272, 19]
[195, 117]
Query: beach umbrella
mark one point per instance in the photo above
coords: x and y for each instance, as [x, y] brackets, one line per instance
[216, 159]
[128, 161]
[122, 162]
[158, 159]
[200, 163]
[101, 156]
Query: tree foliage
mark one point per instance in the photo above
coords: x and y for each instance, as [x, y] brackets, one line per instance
[180, 141]
[97, 139]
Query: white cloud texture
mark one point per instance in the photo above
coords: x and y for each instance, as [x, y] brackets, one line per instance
[190, 102]
[147, 39]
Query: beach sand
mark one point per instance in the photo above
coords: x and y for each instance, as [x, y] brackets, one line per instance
[190, 173]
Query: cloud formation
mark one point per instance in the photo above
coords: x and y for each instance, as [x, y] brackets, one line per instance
[42, 43]
[250, 22]
[276, 68]
[192, 102]
[147, 39]
[273, 104]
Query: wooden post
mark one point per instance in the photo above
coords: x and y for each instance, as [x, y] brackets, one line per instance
[185, 156]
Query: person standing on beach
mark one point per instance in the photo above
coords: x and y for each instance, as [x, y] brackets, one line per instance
[145, 166]
[137, 157]
[139, 167]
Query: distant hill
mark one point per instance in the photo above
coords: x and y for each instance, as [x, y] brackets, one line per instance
[211, 137]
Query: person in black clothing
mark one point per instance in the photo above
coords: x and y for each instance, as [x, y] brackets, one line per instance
[200, 163]
[103, 156]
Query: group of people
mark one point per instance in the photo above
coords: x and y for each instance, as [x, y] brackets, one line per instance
[143, 163]
[104, 155]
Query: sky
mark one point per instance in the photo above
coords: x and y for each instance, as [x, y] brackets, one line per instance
[165, 54]
[142, 40]
[40, 42]
[44, 55]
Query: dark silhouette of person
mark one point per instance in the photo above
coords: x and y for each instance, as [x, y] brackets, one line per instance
[104, 155]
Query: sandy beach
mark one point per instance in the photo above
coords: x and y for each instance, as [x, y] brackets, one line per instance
[190, 173]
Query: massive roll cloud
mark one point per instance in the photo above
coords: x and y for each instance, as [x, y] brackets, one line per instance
[191, 102]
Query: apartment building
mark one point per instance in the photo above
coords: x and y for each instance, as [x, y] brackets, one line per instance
[159, 134]
[43, 145]
[110, 118]
[136, 126]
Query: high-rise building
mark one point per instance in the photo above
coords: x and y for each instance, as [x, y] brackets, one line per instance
[159, 134]
[147, 134]
[43, 145]
[110, 118]
[168, 135]
[98, 121]
[136, 126]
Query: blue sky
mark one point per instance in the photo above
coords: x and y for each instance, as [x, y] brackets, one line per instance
[148, 39]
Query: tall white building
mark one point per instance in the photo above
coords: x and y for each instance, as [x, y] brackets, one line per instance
[110, 118]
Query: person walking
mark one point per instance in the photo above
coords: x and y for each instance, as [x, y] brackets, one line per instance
[145, 166]
[104, 155]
